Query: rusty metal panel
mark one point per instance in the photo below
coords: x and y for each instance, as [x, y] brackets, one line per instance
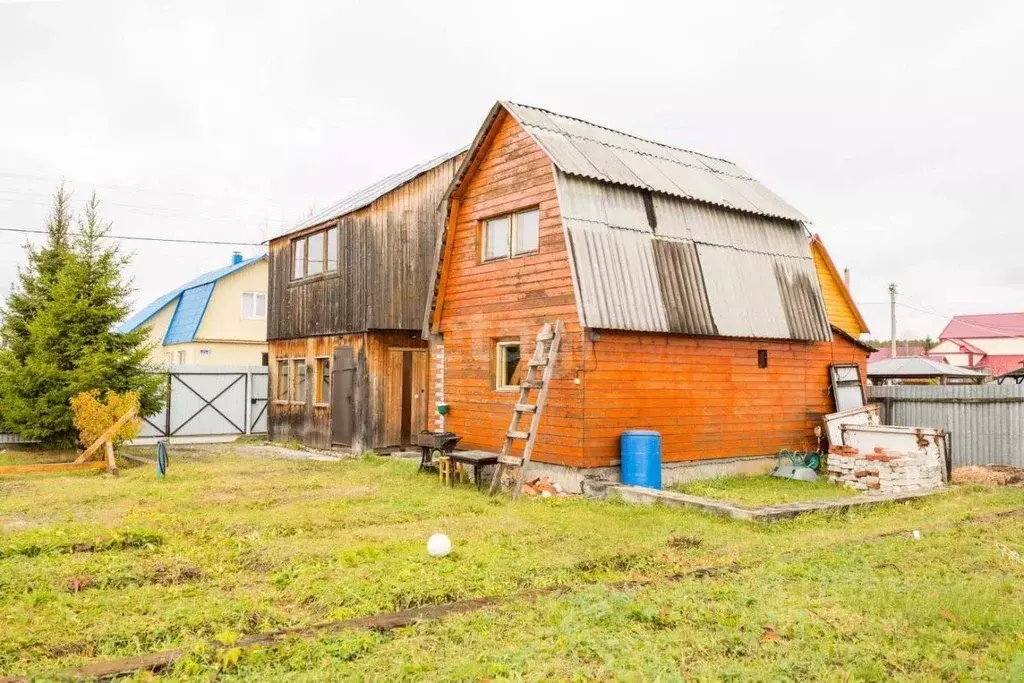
[985, 422]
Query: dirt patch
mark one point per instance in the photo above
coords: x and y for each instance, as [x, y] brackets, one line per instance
[991, 475]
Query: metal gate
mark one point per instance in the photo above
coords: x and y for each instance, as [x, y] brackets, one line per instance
[210, 401]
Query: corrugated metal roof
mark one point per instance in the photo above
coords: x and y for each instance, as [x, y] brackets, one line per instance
[917, 366]
[584, 149]
[701, 270]
[156, 305]
[371, 193]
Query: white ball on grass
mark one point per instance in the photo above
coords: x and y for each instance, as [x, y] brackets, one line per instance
[439, 545]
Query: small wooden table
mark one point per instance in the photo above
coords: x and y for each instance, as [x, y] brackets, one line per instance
[477, 459]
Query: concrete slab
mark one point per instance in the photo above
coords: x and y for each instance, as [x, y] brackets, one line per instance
[770, 513]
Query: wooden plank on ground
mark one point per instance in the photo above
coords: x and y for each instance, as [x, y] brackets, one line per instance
[53, 467]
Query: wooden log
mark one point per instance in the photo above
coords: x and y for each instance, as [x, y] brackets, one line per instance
[107, 435]
[52, 467]
[111, 463]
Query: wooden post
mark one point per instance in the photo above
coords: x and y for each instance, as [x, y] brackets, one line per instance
[111, 463]
[106, 436]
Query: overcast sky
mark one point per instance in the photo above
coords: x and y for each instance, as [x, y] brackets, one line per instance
[895, 126]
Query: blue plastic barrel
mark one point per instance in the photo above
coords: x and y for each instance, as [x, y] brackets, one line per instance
[640, 452]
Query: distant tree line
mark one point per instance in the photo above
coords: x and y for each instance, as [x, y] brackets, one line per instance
[927, 343]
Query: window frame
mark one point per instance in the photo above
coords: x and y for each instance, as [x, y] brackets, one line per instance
[254, 295]
[499, 363]
[294, 398]
[837, 383]
[330, 266]
[513, 232]
[286, 363]
[318, 397]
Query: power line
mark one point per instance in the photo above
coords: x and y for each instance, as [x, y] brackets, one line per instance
[131, 188]
[146, 239]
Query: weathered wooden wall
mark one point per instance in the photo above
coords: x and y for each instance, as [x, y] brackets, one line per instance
[386, 256]
[309, 423]
[508, 299]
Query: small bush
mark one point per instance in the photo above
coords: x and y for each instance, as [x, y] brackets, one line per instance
[93, 417]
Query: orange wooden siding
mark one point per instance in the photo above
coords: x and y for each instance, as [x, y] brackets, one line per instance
[707, 396]
[839, 307]
[509, 299]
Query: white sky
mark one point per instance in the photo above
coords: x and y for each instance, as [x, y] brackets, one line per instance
[895, 126]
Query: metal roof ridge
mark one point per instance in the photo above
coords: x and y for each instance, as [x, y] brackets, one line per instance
[619, 132]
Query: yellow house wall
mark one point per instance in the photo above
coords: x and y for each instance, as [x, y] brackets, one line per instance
[223, 319]
[838, 309]
[157, 330]
[219, 353]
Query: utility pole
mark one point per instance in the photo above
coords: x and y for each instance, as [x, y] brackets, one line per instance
[892, 316]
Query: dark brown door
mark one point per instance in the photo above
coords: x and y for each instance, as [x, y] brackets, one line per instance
[343, 405]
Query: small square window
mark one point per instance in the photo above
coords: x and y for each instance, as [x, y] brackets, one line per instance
[762, 358]
[323, 374]
[300, 382]
[527, 232]
[508, 366]
[284, 384]
[496, 237]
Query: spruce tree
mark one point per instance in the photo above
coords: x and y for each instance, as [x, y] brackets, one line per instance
[69, 341]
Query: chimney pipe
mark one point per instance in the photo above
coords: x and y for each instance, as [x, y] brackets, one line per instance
[846, 277]
[236, 258]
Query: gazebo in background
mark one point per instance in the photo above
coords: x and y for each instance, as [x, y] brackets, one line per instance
[920, 370]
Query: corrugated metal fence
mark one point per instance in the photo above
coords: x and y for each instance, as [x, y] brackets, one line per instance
[986, 422]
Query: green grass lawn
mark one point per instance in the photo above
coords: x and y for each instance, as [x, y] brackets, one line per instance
[765, 490]
[94, 567]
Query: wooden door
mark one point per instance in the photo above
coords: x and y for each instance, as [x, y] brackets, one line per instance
[343, 405]
[405, 396]
[420, 404]
[393, 383]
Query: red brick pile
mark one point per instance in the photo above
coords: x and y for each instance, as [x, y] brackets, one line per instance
[543, 487]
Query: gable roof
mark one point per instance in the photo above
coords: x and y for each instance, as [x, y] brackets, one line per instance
[984, 326]
[665, 240]
[194, 292]
[371, 193]
[844, 291]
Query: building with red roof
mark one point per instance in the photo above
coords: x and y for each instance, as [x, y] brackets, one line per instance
[992, 342]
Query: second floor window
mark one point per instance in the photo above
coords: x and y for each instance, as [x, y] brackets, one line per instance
[315, 253]
[254, 305]
[511, 235]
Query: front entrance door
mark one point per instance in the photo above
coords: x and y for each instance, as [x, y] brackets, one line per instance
[343, 405]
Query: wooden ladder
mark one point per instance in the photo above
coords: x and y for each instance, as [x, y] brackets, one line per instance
[548, 339]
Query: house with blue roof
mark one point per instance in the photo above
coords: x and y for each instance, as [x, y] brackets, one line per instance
[218, 318]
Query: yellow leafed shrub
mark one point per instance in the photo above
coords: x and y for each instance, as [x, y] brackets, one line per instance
[93, 417]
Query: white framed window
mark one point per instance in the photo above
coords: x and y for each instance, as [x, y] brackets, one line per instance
[254, 305]
[315, 253]
[846, 386]
[508, 365]
[513, 234]
[169, 357]
[182, 357]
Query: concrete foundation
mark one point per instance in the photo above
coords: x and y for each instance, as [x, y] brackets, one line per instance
[588, 479]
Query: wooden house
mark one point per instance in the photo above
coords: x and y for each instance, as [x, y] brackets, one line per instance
[689, 294]
[348, 366]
